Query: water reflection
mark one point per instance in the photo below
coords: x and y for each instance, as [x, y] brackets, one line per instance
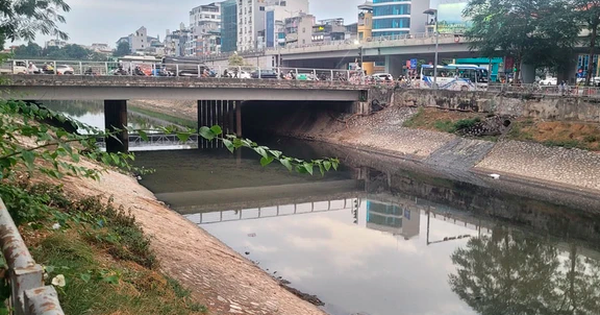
[524, 274]
[392, 241]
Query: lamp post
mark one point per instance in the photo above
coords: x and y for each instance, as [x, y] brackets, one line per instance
[434, 12]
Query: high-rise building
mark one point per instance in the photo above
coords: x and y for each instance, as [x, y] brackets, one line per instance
[393, 17]
[205, 18]
[229, 22]
[261, 23]
[277, 12]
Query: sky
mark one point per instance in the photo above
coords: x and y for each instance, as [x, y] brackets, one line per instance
[105, 21]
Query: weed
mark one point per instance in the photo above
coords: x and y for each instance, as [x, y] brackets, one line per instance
[445, 126]
[466, 123]
[412, 121]
[591, 138]
[563, 143]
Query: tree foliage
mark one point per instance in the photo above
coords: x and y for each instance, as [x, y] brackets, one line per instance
[123, 49]
[236, 60]
[23, 19]
[522, 275]
[68, 52]
[539, 33]
[588, 14]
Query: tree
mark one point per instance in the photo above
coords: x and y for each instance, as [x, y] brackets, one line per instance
[24, 19]
[534, 32]
[236, 60]
[122, 50]
[32, 50]
[523, 275]
[588, 13]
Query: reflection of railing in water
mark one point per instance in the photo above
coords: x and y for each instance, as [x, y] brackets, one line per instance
[275, 211]
[136, 140]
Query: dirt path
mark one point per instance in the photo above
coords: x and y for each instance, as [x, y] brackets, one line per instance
[220, 278]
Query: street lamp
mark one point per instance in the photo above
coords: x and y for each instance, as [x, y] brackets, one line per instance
[434, 12]
[360, 54]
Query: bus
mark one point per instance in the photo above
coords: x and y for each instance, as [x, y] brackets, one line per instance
[455, 77]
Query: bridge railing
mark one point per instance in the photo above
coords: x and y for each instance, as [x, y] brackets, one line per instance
[28, 296]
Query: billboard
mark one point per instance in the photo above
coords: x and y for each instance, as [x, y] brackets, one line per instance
[450, 17]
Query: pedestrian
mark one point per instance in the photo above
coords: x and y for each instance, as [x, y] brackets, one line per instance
[563, 87]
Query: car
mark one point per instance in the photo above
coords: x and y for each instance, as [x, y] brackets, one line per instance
[549, 81]
[65, 69]
[265, 74]
[382, 77]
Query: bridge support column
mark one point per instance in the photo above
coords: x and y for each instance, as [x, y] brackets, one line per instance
[115, 117]
[568, 70]
[393, 65]
[527, 73]
[238, 118]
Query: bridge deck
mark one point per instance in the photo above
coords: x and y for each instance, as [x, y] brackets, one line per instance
[51, 87]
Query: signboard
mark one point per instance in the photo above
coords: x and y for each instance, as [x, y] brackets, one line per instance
[413, 64]
[450, 17]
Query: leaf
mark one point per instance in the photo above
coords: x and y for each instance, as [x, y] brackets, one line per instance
[75, 157]
[309, 167]
[287, 163]
[266, 161]
[143, 135]
[275, 153]
[114, 279]
[216, 129]
[207, 133]
[85, 277]
[335, 163]
[327, 165]
[29, 158]
[321, 169]
[229, 145]
[261, 151]
[183, 137]
[238, 143]
[49, 269]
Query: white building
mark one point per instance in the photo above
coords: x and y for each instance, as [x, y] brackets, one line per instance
[138, 41]
[56, 43]
[261, 22]
[205, 27]
[277, 12]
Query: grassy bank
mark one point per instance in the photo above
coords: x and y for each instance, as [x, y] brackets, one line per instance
[168, 118]
[566, 134]
[103, 254]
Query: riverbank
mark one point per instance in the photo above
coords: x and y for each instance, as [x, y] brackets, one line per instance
[384, 132]
[217, 276]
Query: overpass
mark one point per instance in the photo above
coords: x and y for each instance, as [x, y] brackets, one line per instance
[219, 99]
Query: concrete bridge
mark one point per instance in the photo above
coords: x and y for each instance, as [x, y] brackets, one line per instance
[220, 100]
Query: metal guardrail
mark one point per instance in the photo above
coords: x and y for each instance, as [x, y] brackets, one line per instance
[29, 296]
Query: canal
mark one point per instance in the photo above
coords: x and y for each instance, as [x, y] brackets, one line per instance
[384, 237]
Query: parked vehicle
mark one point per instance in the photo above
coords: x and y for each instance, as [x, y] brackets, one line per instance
[14, 67]
[265, 74]
[549, 81]
[65, 70]
[382, 77]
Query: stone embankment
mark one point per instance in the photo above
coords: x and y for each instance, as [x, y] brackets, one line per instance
[383, 132]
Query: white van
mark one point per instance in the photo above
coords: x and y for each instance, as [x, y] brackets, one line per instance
[14, 67]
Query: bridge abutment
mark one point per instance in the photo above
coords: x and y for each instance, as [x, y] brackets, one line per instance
[115, 118]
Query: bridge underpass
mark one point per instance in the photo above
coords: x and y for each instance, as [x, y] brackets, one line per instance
[220, 101]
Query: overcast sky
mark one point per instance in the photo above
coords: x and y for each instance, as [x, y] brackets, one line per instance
[105, 21]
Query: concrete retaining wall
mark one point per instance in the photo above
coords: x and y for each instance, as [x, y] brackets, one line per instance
[517, 105]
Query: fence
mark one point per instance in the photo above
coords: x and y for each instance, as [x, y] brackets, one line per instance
[28, 296]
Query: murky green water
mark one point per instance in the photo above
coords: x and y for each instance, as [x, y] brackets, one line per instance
[381, 237]
[367, 241]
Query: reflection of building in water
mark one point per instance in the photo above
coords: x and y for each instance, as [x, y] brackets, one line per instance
[392, 218]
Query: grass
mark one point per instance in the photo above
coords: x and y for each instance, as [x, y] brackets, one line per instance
[444, 121]
[168, 118]
[104, 256]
